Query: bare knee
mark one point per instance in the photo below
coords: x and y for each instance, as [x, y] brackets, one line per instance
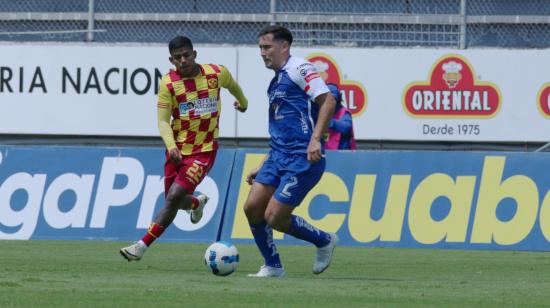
[172, 200]
[277, 220]
[177, 197]
[256, 203]
[254, 211]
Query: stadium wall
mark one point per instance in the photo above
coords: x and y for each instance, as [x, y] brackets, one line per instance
[483, 95]
[463, 200]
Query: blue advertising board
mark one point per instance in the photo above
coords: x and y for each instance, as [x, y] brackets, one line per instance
[463, 200]
[97, 193]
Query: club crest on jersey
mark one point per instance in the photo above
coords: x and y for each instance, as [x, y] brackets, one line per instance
[452, 91]
[212, 83]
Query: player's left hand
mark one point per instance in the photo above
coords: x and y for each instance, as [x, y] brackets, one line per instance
[238, 106]
[314, 153]
[252, 175]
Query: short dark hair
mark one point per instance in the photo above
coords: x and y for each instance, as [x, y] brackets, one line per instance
[280, 33]
[178, 42]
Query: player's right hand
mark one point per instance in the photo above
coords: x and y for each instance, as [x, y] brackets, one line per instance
[175, 155]
[314, 153]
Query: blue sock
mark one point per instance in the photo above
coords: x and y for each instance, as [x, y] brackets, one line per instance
[263, 236]
[299, 228]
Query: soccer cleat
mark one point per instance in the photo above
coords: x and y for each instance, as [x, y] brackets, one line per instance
[268, 272]
[134, 252]
[324, 255]
[196, 214]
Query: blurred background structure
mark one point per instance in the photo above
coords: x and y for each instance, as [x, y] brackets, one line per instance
[354, 23]
[458, 24]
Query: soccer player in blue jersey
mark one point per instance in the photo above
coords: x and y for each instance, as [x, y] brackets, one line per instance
[300, 108]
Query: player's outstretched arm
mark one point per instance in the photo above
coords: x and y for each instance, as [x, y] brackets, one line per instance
[242, 103]
[227, 81]
[240, 107]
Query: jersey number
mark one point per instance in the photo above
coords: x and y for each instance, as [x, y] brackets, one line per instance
[293, 182]
[194, 173]
[276, 114]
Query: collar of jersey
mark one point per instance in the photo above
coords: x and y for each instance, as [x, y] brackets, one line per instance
[283, 67]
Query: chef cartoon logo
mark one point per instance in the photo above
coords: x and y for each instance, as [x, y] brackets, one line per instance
[353, 94]
[452, 91]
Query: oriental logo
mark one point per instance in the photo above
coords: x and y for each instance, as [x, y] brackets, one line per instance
[452, 91]
[543, 100]
[353, 94]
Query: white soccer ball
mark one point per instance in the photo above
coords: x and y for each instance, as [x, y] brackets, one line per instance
[221, 258]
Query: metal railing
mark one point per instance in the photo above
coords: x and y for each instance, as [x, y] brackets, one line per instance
[447, 23]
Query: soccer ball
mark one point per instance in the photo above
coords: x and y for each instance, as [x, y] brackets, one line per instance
[221, 258]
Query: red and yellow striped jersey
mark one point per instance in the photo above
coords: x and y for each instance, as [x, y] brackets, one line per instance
[194, 106]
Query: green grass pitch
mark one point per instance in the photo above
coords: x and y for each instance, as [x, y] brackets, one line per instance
[93, 274]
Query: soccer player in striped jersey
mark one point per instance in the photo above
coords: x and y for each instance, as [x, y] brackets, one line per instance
[300, 108]
[188, 110]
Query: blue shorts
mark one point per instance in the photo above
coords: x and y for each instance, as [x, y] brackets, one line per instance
[292, 175]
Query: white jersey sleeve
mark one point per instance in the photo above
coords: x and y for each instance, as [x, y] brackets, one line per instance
[306, 76]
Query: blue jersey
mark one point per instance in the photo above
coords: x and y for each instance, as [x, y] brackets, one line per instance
[292, 110]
